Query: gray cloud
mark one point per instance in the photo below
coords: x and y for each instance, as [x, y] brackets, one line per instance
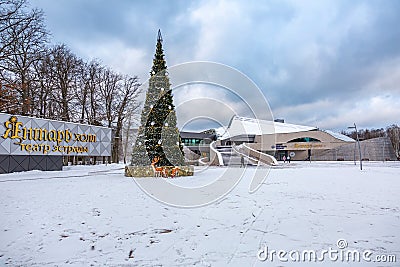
[318, 62]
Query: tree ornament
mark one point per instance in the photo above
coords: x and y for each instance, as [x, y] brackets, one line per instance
[166, 124]
[152, 123]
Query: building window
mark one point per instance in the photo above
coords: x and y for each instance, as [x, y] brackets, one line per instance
[304, 139]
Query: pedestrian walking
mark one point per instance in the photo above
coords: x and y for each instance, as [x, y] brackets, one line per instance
[284, 159]
[288, 159]
[241, 162]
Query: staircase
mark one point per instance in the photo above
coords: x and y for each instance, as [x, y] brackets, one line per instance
[230, 157]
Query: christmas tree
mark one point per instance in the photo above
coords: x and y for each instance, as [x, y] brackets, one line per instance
[158, 135]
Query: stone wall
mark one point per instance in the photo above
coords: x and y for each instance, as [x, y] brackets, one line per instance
[376, 149]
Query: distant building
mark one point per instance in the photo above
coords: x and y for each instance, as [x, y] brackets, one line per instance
[279, 139]
[282, 139]
[199, 143]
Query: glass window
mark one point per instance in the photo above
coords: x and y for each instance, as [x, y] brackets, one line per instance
[304, 139]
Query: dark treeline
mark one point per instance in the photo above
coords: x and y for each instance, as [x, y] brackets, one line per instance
[393, 132]
[51, 82]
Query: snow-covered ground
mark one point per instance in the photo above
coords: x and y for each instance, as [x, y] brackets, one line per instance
[93, 215]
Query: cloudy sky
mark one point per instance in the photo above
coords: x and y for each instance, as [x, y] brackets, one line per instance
[319, 63]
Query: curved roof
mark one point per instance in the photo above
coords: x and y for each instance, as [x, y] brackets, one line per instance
[249, 126]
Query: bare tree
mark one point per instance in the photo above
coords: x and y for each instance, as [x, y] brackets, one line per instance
[66, 69]
[86, 96]
[126, 105]
[393, 133]
[108, 89]
[54, 83]
[132, 118]
[8, 99]
[44, 86]
[23, 38]
[10, 16]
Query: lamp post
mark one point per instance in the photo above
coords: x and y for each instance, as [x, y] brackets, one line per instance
[359, 147]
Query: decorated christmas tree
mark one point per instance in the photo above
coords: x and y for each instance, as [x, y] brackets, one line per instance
[158, 136]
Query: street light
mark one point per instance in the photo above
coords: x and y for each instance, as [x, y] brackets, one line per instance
[359, 147]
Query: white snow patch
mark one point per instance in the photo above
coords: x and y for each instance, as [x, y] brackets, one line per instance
[93, 215]
[340, 136]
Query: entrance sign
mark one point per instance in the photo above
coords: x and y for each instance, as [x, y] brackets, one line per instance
[20, 135]
[28, 143]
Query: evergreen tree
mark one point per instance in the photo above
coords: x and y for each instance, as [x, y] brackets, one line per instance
[158, 135]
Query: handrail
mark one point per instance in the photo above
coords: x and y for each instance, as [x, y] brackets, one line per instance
[200, 160]
[219, 155]
[247, 156]
[272, 158]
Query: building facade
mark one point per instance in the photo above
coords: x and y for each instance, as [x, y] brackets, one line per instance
[282, 139]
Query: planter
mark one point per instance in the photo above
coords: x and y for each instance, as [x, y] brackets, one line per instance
[147, 171]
